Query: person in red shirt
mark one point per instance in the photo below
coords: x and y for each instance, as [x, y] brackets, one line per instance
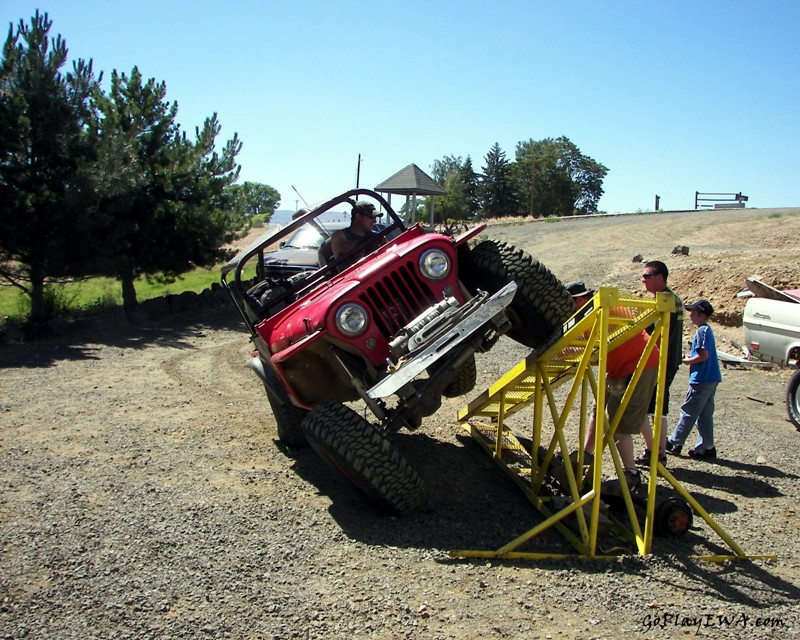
[620, 365]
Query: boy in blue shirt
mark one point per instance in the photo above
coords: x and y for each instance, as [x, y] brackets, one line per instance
[704, 376]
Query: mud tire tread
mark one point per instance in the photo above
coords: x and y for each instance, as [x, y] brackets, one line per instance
[541, 303]
[352, 445]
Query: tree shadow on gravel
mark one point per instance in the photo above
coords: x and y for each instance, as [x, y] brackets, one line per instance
[80, 341]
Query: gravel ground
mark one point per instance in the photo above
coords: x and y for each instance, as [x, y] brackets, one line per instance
[144, 494]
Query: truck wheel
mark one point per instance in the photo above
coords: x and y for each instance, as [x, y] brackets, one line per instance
[465, 380]
[793, 399]
[352, 445]
[288, 419]
[541, 302]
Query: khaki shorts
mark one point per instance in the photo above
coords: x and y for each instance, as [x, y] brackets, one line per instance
[636, 411]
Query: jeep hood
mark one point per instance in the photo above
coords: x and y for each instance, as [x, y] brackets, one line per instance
[310, 314]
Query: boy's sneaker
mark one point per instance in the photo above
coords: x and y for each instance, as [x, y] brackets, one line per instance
[644, 459]
[673, 449]
[707, 454]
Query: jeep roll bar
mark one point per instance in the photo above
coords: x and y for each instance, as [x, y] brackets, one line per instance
[231, 272]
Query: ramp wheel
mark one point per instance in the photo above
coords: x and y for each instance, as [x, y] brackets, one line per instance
[673, 517]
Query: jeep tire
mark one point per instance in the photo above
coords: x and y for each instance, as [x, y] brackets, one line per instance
[288, 419]
[793, 399]
[352, 445]
[464, 381]
[541, 302]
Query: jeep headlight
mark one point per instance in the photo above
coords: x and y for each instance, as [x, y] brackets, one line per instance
[351, 319]
[434, 264]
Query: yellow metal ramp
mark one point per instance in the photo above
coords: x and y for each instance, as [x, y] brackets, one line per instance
[559, 382]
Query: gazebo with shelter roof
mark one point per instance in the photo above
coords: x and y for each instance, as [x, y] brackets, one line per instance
[411, 182]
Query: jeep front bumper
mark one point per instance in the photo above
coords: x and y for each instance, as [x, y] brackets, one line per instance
[489, 316]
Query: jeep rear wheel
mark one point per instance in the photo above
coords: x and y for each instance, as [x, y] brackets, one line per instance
[353, 446]
[541, 302]
[793, 399]
[288, 419]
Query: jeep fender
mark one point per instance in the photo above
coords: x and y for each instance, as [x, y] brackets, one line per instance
[468, 235]
[268, 377]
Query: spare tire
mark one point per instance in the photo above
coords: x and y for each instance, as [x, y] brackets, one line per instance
[541, 302]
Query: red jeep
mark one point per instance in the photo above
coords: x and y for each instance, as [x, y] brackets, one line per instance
[395, 329]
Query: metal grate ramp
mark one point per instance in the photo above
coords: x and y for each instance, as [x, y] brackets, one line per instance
[559, 382]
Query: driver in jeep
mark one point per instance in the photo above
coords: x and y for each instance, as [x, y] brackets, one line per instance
[362, 221]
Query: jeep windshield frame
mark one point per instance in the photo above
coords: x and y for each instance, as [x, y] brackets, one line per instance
[238, 288]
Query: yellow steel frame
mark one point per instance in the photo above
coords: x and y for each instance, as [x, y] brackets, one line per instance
[583, 342]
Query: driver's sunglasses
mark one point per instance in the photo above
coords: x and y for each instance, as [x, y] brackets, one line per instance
[369, 214]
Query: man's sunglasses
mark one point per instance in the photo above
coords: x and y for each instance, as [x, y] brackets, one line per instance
[647, 276]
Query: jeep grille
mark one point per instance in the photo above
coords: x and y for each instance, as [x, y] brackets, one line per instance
[398, 298]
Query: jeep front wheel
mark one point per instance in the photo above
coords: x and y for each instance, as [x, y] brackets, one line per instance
[353, 446]
[541, 302]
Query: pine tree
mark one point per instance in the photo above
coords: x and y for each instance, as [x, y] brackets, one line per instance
[162, 196]
[44, 145]
[496, 188]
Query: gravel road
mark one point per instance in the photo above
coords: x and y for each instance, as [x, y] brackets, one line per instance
[144, 494]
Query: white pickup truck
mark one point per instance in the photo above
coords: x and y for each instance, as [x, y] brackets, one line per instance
[772, 333]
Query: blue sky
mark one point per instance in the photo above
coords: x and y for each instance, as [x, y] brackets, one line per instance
[673, 97]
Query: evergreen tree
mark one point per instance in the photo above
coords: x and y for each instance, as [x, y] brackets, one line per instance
[470, 181]
[496, 188]
[554, 178]
[161, 196]
[44, 119]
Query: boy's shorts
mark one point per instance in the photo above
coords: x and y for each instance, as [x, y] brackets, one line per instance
[636, 411]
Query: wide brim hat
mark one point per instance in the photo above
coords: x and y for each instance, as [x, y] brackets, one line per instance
[577, 289]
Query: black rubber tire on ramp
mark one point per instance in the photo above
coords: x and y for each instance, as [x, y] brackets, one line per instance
[352, 445]
[672, 517]
[541, 302]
